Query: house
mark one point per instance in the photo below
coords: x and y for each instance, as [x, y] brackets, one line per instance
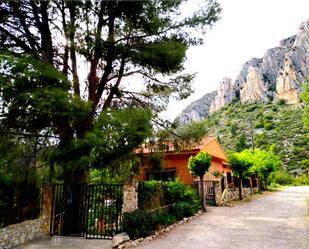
[175, 162]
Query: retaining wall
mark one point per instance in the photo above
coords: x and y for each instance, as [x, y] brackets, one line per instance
[20, 233]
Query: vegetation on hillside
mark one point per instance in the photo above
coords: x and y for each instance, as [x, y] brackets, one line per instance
[276, 126]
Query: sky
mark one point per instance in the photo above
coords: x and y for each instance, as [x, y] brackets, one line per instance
[247, 29]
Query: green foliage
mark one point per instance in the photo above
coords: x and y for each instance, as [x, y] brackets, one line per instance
[183, 209]
[42, 91]
[199, 164]
[264, 162]
[116, 133]
[281, 102]
[287, 130]
[305, 98]
[160, 203]
[241, 143]
[217, 173]
[179, 192]
[165, 219]
[241, 162]
[151, 194]
[268, 126]
[281, 177]
[139, 223]
[6, 197]
[155, 194]
[300, 181]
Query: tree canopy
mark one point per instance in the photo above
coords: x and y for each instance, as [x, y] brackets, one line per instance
[64, 64]
[198, 165]
[263, 163]
[241, 162]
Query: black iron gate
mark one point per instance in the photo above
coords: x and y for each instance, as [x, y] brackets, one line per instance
[209, 190]
[90, 211]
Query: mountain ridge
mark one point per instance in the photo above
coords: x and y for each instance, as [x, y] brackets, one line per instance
[279, 74]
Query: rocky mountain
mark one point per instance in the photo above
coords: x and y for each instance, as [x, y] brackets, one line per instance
[197, 109]
[278, 75]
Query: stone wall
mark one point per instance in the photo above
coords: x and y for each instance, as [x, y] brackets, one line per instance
[230, 194]
[17, 234]
[130, 197]
[20, 233]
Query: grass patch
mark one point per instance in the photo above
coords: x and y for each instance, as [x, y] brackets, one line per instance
[273, 187]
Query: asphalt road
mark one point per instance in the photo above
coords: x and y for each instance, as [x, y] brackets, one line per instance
[273, 220]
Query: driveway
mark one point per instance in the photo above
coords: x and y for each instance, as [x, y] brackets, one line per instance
[275, 220]
[57, 242]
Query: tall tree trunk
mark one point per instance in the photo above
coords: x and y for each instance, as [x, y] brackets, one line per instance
[203, 194]
[240, 187]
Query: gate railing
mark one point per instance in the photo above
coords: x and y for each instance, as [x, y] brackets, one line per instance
[91, 211]
[209, 190]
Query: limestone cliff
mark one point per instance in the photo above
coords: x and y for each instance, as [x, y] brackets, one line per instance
[198, 109]
[295, 67]
[278, 75]
[224, 95]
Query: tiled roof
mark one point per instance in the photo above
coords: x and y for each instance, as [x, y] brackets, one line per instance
[171, 146]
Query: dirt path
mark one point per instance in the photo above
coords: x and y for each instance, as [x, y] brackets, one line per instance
[276, 220]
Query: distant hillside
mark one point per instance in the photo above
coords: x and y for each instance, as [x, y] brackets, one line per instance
[279, 125]
[279, 74]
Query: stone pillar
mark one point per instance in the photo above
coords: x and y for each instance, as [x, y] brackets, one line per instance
[47, 208]
[130, 197]
[218, 192]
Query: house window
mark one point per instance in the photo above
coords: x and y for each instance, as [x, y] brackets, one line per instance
[161, 175]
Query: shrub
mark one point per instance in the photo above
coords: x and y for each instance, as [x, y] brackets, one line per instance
[183, 209]
[302, 180]
[163, 218]
[274, 186]
[139, 223]
[179, 192]
[281, 177]
[151, 194]
[281, 102]
[268, 126]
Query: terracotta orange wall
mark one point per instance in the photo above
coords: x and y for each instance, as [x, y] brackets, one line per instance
[171, 161]
[214, 149]
[180, 162]
[217, 165]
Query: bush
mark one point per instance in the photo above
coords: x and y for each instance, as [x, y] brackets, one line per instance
[151, 194]
[302, 180]
[281, 102]
[281, 177]
[160, 203]
[183, 209]
[274, 186]
[268, 126]
[179, 192]
[139, 223]
[162, 218]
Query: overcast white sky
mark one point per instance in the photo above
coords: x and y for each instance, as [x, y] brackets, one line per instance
[247, 28]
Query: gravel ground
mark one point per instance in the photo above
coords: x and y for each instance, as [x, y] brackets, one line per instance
[273, 220]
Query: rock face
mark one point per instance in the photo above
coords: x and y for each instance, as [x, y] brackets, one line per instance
[278, 75]
[295, 67]
[224, 95]
[198, 109]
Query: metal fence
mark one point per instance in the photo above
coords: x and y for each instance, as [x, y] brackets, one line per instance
[90, 211]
